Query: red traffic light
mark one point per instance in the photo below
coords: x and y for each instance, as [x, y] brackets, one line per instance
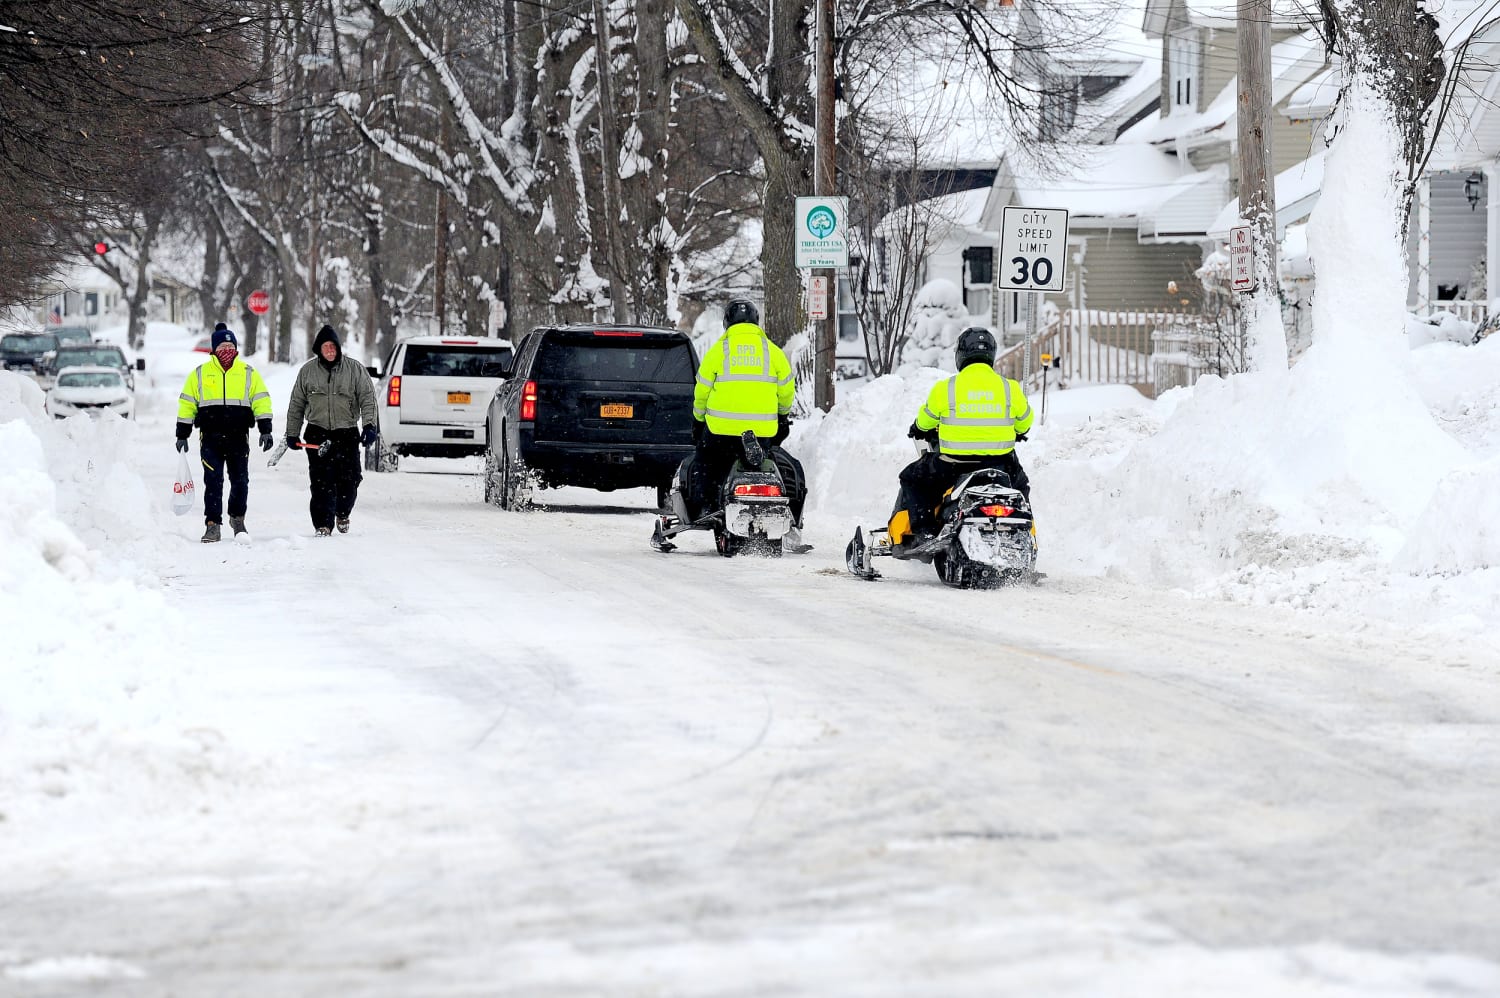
[101, 247]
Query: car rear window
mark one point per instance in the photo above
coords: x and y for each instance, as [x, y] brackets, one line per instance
[89, 379]
[609, 358]
[90, 357]
[445, 361]
[29, 341]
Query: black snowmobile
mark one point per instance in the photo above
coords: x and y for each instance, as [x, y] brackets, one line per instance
[987, 537]
[754, 513]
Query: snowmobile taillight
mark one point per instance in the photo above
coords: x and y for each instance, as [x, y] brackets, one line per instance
[393, 392]
[997, 510]
[528, 401]
[763, 491]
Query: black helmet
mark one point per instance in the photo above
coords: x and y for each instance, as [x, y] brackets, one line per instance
[740, 310]
[975, 345]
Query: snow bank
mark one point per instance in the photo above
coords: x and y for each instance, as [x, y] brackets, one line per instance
[91, 708]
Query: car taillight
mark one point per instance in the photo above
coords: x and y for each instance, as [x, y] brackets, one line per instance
[617, 332]
[528, 400]
[997, 510]
[393, 391]
[765, 491]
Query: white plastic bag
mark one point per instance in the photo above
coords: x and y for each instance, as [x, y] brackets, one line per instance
[182, 489]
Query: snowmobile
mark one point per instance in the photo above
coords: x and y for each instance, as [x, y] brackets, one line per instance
[754, 515]
[986, 537]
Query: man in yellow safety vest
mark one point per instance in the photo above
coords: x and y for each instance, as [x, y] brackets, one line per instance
[975, 418]
[744, 383]
[224, 398]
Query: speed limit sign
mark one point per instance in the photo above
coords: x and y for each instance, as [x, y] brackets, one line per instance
[1033, 249]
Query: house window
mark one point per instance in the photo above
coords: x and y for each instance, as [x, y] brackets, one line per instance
[979, 274]
[91, 303]
[848, 325]
[1185, 65]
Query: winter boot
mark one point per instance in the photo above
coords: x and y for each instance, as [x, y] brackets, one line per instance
[237, 523]
[324, 532]
[343, 523]
[211, 533]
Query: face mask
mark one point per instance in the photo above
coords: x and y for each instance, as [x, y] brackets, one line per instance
[226, 355]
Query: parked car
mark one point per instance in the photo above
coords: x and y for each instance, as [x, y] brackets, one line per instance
[603, 407]
[26, 350]
[67, 335]
[91, 391]
[96, 355]
[433, 396]
[205, 344]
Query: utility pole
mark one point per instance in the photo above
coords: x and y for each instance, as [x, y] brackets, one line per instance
[1265, 345]
[440, 225]
[825, 184]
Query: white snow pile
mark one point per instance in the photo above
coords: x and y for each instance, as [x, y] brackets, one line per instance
[91, 709]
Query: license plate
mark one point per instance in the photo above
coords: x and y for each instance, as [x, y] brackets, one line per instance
[459, 398]
[617, 411]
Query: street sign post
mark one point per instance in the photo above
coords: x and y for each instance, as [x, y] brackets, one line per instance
[1241, 259]
[822, 238]
[258, 301]
[1033, 257]
[817, 297]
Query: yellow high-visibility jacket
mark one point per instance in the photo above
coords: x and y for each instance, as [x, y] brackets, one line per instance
[744, 383]
[223, 403]
[976, 412]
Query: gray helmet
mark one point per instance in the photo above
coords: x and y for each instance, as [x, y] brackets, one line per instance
[740, 310]
[976, 345]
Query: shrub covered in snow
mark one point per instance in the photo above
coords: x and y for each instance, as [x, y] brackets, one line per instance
[938, 316]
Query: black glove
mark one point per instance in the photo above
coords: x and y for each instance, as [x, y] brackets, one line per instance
[182, 445]
[914, 431]
[370, 435]
[1020, 436]
[267, 441]
[699, 429]
[783, 429]
[292, 442]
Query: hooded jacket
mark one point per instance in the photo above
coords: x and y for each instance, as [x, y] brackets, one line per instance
[331, 396]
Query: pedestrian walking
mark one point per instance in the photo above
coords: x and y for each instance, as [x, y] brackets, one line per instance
[224, 397]
[333, 395]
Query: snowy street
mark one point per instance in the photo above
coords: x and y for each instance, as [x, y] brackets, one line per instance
[465, 751]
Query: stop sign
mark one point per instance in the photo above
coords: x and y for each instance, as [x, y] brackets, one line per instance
[259, 301]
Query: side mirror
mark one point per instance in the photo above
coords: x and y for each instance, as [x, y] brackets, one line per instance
[140, 363]
[373, 370]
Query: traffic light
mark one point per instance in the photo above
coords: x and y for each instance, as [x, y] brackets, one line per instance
[101, 247]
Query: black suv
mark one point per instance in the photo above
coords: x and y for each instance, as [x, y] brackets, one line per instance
[26, 350]
[604, 407]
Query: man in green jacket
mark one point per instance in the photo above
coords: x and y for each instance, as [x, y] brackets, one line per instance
[333, 394]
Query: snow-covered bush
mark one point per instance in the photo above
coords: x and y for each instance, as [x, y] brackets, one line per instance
[938, 316]
[1440, 327]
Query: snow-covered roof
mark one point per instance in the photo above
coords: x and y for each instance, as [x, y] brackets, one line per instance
[1293, 63]
[961, 211]
[1470, 135]
[1297, 190]
[1094, 183]
[1224, 14]
[1314, 100]
[1098, 120]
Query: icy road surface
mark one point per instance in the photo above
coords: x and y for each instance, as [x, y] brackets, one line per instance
[468, 752]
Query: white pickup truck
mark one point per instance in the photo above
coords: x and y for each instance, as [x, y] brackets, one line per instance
[433, 396]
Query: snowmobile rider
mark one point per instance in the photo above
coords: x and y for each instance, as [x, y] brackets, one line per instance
[744, 383]
[334, 394]
[224, 397]
[975, 418]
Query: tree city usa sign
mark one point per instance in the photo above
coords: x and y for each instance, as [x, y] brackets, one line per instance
[822, 239]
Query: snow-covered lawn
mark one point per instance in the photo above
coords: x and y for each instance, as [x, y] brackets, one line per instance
[1242, 742]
